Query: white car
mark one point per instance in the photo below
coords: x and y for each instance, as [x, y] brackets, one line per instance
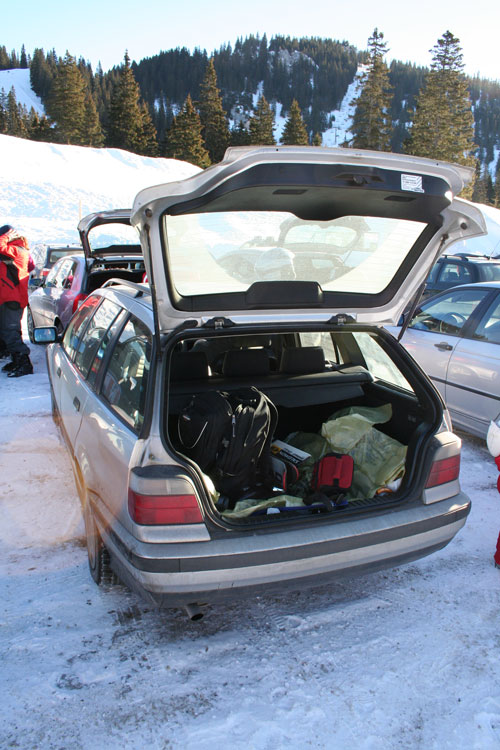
[455, 338]
[138, 362]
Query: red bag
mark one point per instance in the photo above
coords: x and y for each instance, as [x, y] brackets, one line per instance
[332, 473]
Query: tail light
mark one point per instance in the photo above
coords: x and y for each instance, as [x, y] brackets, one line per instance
[78, 301]
[159, 496]
[163, 510]
[444, 471]
[45, 272]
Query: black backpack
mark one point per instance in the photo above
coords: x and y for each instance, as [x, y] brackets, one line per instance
[229, 436]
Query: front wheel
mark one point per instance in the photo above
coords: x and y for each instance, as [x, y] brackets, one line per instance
[30, 324]
[98, 555]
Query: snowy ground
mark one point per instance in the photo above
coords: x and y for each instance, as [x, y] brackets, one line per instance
[408, 658]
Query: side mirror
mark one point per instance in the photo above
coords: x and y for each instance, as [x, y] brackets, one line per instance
[45, 335]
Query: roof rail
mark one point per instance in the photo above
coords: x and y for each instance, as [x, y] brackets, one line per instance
[140, 290]
[466, 256]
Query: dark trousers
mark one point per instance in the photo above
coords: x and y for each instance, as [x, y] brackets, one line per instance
[10, 328]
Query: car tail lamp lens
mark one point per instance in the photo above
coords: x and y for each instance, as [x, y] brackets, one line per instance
[152, 510]
[78, 301]
[45, 272]
[443, 471]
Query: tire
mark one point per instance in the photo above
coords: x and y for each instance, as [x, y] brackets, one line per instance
[98, 556]
[30, 324]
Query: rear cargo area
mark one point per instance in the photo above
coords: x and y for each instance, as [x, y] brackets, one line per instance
[342, 392]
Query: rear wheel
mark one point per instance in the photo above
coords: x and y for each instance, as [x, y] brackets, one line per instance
[98, 555]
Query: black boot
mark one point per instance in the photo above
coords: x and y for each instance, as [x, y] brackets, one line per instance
[23, 367]
[12, 364]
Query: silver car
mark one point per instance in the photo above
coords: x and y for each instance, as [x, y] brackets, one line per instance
[135, 358]
[455, 338]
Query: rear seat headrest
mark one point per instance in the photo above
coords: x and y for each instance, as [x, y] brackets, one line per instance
[239, 363]
[188, 366]
[302, 360]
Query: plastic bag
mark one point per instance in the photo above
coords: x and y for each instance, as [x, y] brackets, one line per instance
[378, 458]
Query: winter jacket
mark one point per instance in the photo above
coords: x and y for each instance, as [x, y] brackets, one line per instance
[14, 274]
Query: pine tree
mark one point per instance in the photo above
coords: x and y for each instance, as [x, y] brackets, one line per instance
[294, 132]
[65, 104]
[371, 124]
[184, 139]
[215, 131]
[262, 124]
[149, 141]
[443, 126]
[129, 124]
[16, 118]
[317, 140]
[240, 135]
[24, 60]
[91, 125]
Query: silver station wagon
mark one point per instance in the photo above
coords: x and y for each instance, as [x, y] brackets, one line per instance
[142, 369]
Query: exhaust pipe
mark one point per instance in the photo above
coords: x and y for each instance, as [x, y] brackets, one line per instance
[193, 612]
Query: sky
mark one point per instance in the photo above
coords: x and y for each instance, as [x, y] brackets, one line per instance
[104, 30]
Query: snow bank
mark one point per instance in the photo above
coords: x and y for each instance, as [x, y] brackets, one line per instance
[45, 188]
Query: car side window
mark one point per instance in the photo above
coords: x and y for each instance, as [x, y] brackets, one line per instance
[94, 333]
[449, 313]
[51, 276]
[489, 325]
[77, 325]
[456, 273]
[68, 275]
[125, 380]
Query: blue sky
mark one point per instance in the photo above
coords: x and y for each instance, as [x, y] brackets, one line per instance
[104, 29]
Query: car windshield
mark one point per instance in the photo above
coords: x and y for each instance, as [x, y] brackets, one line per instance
[229, 251]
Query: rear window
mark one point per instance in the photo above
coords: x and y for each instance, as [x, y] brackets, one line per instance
[491, 272]
[54, 255]
[228, 251]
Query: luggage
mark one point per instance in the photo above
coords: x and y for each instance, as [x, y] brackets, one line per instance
[229, 436]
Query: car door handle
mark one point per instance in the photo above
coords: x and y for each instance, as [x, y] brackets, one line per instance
[76, 403]
[443, 346]
[58, 372]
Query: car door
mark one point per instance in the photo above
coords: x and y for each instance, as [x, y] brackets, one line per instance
[437, 329]
[473, 379]
[111, 422]
[52, 291]
[74, 388]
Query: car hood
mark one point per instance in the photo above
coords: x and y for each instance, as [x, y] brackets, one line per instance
[282, 233]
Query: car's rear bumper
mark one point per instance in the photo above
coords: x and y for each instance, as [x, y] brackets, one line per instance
[180, 573]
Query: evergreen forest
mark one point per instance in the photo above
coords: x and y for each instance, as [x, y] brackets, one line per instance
[191, 105]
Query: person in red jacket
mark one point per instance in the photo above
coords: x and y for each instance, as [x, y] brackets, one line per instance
[14, 276]
[493, 443]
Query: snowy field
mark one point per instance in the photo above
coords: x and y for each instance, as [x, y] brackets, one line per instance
[408, 658]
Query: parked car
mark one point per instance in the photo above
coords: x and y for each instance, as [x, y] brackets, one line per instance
[49, 258]
[116, 253]
[455, 338]
[136, 360]
[453, 270]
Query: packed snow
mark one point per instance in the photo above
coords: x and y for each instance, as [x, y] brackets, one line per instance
[407, 658]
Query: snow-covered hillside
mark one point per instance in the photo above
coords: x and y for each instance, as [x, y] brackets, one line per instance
[19, 79]
[45, 188]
